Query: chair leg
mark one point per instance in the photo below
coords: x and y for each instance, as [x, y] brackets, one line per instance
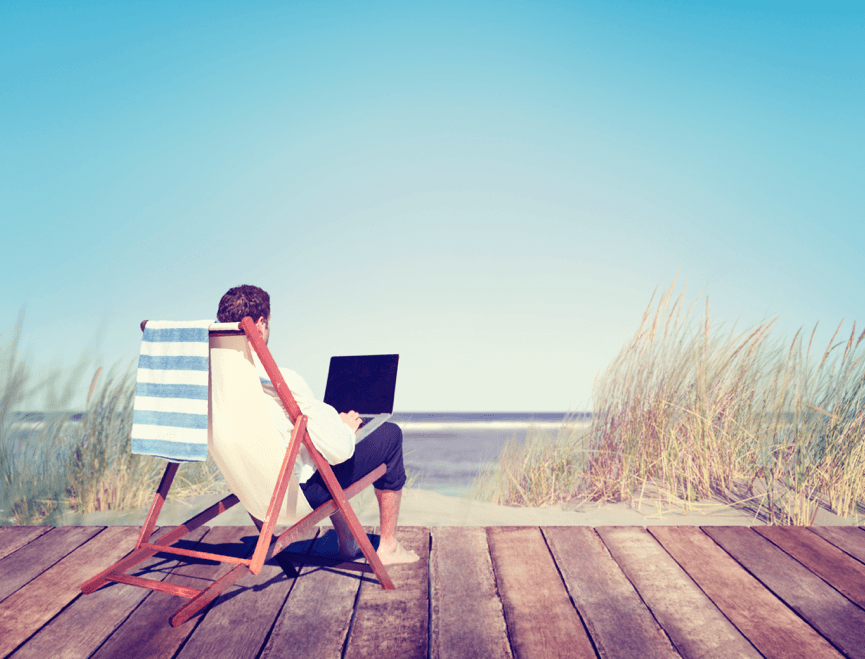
[366, 546]
[156, 506]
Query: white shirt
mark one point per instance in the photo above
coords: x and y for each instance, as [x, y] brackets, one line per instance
[333, 438]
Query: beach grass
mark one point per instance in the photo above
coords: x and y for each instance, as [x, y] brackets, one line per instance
[540, 469]
[104, 474]
[30, 471]
[695, 411]
[77, 462]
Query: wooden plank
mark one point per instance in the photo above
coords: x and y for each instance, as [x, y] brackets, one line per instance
[30, 607]
[31, 560]
[851, 539]
[838, 619]
[395, 623]
[693, 623]
[844, 573]
[322, 600]
[146, 632]
[541, 620]
[83, 626]
[617, 619]
[467, 615]
[229, 630]
[12, 538]
[764, 619]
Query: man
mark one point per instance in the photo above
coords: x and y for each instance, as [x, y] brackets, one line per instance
[334, 436]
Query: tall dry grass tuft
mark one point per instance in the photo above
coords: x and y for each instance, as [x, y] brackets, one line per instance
[75, 461]
[697, 412]
[104, 474]
[692, 411]
[32, 450]
[540, 470]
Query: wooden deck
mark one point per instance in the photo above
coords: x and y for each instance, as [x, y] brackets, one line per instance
[494, 592]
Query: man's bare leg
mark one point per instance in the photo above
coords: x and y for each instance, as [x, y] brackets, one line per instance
[348, 547]
[390, 551]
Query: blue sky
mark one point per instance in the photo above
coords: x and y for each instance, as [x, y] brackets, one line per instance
[493, 190]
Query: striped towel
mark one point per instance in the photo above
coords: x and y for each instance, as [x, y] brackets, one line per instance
[170, 419]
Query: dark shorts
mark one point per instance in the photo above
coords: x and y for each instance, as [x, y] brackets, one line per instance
[383, 445]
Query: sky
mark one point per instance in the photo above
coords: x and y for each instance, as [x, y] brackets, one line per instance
[493, 190]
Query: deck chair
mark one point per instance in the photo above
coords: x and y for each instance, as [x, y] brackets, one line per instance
[248, 450]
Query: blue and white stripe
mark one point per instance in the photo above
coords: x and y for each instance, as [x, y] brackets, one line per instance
[170, 419]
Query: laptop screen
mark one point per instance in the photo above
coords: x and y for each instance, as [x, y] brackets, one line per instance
[365, 383]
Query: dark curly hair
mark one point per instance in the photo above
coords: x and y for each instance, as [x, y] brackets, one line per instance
[242, 301]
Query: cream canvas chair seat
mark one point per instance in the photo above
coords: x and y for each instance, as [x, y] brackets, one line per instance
[259, 471]
[242, 439]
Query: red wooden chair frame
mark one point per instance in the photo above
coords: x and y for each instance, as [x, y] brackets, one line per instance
[199, 598]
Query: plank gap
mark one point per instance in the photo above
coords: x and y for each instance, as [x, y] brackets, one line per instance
[353, 616]
[496, 579]
[429, 598]
[567, 590]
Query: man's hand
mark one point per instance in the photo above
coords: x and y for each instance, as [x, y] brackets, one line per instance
[351, 419]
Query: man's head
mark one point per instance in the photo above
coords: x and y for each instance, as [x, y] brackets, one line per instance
[242, 301]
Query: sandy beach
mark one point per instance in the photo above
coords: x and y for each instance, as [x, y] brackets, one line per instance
[425, 508]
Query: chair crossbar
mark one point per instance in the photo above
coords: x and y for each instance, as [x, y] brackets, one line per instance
[153, 584]
[222, 558]
[189, 525]
[206, 515]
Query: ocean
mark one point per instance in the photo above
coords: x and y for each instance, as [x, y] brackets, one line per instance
[443, 451]
[446, 451]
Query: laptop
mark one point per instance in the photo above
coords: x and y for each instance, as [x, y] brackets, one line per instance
[365, 384]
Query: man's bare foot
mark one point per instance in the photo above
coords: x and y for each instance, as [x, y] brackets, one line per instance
[396, 554]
